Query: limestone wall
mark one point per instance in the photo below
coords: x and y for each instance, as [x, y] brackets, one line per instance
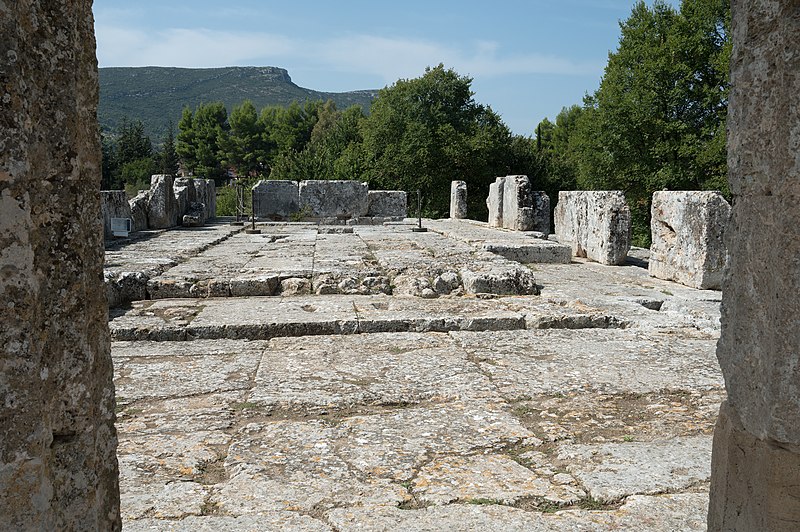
[597, 224]
[113, 204]
[276, 200]
[334, 199]
[513, 204]
[387, 203]
[58, 466]
[687, 229]
[756, 462]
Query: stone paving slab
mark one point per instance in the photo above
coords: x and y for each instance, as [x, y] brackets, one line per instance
[682, 512]
[322, 374]
[266, 521]
[540, 362]
[264, 318]
[519, 246]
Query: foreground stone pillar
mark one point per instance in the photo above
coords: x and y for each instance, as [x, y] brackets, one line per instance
[58, 468]
[687, 229]
[458, 200]
[755, 482]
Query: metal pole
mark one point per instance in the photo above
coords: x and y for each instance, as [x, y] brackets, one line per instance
[419, 228]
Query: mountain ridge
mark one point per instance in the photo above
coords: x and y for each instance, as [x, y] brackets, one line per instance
[157, 95]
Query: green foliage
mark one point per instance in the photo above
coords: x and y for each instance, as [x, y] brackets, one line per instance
[658, 119]
[424, 133]
[136, 174]
[168, 157]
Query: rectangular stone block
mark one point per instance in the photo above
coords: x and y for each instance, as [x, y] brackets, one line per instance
[162, 207]
[276, 199]
[387, 203]
[687, 245]
[338, 199]
[458, 199]
[597, 224]
[517, 203]
[495, 202]
[541, 212]
[138, 207]
[113, 204]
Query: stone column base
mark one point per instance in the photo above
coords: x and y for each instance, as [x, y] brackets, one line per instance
[755, 484]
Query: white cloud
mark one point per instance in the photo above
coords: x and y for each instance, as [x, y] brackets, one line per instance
[118, 46]
[388, 58]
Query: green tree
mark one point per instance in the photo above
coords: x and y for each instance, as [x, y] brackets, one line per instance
[425, 132]
[244, 146]
[658, 119]
[200, 137]
[168, 159]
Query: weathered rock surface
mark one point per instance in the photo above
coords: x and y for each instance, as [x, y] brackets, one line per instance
[757, 445]
[387, 203]
[275, 199]
[517, 203]
[113, 204]
[687, 229]
[162, 207]
[458, 199]
[345, 199]
[58, 467]
[495, 202]
[596, 224]
[138, 207]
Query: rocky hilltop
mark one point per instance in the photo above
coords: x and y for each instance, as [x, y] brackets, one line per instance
[156, 95]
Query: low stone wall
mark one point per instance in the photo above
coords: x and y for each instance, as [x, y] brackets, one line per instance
[162, 207]
[334, 198]
[458, 199]
[113, 204]
[495, 202]
[387, 203]
[276, 200]
[596, 224]
[687, 229]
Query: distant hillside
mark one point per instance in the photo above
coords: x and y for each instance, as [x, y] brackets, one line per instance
[156, 95]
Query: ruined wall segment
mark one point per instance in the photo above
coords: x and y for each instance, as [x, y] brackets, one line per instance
[687, 229]
[58, 468]
[387, 203]
[275, 199]
[495, 202]
[597, 224]
[113, 204]
[334, 198]
[756, 459]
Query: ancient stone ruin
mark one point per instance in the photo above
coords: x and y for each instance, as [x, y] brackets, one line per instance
[327, 202]
[58, 464]
[458, 200]
[756, 461]
[597, 224]
[502, 395]
[171, 202]
[687, 246]
[513, 204]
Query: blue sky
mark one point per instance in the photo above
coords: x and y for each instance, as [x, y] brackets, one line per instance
[527, 58]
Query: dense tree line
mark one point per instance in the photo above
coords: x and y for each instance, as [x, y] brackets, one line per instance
[129, 158]
[657, 121]
[421, 133]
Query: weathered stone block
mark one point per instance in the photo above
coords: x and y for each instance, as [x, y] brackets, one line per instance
[340, 199]
[597, 224]
[276, 200]
[138, 208]
[162, 208]
[205, 192]
[195, 215]
[517, 203]
[687, 244]
[755, 482]
[387, 203]
[541, 212]
[113, 204]
[58, 465]
[495, 202]
[184, 196]
[458, 199]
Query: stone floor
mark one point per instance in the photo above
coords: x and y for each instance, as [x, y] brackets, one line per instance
[587, 407]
